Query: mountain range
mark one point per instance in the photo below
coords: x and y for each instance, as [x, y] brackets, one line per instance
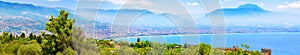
[244, 14]
[37, 13]
[251, 14]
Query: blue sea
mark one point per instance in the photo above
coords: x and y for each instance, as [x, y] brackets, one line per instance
[283, 43]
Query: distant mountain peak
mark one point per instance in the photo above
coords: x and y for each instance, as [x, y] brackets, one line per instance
[246, 9]
[249, 6]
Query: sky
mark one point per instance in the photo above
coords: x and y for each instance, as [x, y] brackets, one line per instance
[193, 6]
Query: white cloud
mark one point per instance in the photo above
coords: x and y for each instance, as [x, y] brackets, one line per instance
[52, 0]
[156, 6]
[242, 2]
[192, 4]
[157, 12]
[295, 4]
[139, 2]
[226, 1]
[116, 1]
[261, 4]
[130, 2]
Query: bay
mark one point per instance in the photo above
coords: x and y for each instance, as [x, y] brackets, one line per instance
[281, 43]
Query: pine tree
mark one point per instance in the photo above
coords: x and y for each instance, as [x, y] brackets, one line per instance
[138, 40]
[61, 26]
[22, 35]
[31, 36]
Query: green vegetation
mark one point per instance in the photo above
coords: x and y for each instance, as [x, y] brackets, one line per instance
[63, 41]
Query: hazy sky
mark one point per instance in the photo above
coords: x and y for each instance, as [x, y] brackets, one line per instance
[191, 5]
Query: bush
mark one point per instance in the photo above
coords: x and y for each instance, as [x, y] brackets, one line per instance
[31, 49]
[204, 49]
[69, 51]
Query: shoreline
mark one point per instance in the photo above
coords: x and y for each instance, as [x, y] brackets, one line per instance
[207, 34]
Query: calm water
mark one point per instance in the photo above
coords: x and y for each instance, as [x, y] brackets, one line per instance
[280, 43]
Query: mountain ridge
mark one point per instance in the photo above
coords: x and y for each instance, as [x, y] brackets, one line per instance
[246, 9]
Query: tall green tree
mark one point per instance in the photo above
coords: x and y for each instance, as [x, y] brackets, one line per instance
[138, 40]
[31, 36]
[23, 35]
[61, 26]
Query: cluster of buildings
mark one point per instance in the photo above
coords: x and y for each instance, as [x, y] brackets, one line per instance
[264, 51]
[104, 30]
[19, 24]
